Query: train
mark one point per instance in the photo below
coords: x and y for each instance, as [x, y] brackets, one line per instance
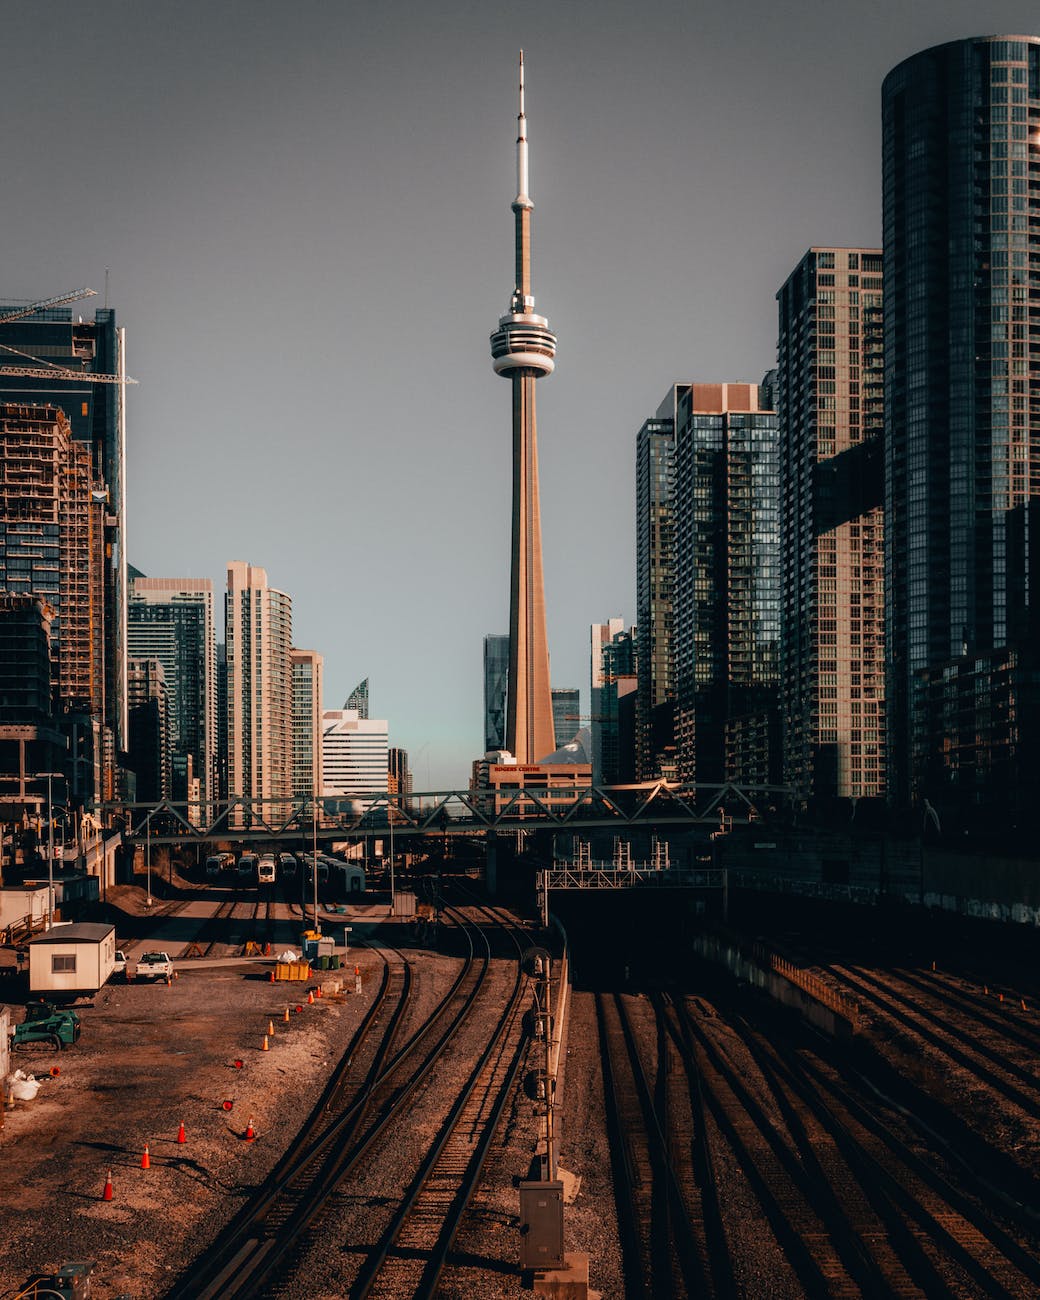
[266, 870]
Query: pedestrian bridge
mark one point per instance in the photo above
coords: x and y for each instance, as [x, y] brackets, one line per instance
[651, 806]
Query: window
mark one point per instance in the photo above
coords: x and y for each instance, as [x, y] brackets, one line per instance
[63, 964]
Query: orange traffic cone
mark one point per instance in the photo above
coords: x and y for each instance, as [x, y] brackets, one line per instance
[286, 1015]
[270, 1028]
[310, 997]
[317, 991]
[181, 1135]
[270, 977]
[250, 1131]
[265, 1048]
[146, 1160]
[107, 1194]
[357, 970]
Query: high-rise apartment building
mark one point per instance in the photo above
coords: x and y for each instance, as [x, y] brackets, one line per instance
[148, 705]
[307, 671]
[496, 684]
[25, 661]
[830, 390]
[258, 638]
[655, 584]
[171, 620]
[727, 585]
[354, 754]
[52, 543]
[77, 366]
[961, 210]
[399, 773]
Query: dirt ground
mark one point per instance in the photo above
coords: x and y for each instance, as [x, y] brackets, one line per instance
[150, 1058]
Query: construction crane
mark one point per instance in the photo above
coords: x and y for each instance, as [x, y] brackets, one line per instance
[61, 299]
[46, 369]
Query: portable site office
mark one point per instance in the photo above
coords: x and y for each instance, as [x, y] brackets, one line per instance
[72, 960]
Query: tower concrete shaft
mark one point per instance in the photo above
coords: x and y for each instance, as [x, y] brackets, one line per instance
[523, 349]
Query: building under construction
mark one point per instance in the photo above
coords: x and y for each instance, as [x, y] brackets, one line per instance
[52, 550]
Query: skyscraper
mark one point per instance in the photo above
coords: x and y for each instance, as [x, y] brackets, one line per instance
[727, 592]
[496, 683]
[655, 586]
[307, 670]
[962, 413]
[258, 638]
[612, 665]
[55, 358]
[522, 350]
[171, 619]
[148, 705]
[566, 702]
[830, 386]
[53, 528]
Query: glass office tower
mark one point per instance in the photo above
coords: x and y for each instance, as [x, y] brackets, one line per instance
[961, 136]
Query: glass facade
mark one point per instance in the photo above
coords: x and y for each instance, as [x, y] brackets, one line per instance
[727, 587]
[496, 683]
[961, 138]
[655, 577]
[171, 620]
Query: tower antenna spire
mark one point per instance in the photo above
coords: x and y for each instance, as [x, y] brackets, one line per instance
[522, 197]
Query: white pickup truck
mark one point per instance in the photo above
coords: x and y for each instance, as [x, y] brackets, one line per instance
[154, 966]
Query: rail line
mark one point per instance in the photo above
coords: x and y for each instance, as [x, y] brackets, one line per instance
[1004, 1076]
[666, 1250]
[413, 1250]
[895, 1221]
[264, 1244]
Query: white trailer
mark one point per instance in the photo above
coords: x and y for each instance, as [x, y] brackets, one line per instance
[72, 960]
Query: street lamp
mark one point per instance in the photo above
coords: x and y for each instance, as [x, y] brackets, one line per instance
[314, 864]
[393, 895]
[50, 843]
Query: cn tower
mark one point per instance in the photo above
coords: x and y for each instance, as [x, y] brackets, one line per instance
[522, 350]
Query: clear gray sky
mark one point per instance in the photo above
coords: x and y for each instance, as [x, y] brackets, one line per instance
[305, 211]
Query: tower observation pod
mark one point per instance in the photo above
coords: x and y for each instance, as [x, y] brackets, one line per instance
[523, 349]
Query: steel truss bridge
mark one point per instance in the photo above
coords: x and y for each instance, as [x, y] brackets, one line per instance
[648, 807]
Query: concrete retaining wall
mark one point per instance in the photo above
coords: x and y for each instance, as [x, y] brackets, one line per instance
[820, 1006]
[866, 869]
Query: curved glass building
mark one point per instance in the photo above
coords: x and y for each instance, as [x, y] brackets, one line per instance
[961, 139]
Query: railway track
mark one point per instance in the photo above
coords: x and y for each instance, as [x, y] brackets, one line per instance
[665, 1245]
[413, 1251]
[364, 1102]
[1016, 1083]
[811, 1134]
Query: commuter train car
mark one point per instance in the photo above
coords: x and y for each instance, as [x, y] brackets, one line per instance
[247, 866]
[265, 870]
[346, 878]
[287, 866]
